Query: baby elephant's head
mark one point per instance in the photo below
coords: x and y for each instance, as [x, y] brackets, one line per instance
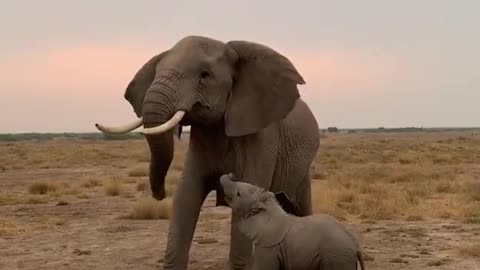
[260, 215]
[245, 199]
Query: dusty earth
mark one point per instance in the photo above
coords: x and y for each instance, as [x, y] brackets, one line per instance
[88, 234]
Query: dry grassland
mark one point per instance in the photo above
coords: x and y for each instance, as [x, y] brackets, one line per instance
[412, 198]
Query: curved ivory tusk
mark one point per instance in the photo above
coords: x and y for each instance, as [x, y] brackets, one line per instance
[121, 129]
[176, 118]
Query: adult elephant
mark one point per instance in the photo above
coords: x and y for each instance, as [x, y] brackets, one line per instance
[246, 116]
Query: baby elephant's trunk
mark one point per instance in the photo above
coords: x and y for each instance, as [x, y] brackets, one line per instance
[227, 183]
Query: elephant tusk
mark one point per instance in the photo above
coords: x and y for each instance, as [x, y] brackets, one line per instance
[176, 118]
[120, 129]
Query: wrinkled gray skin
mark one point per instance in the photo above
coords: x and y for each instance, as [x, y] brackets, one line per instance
[284, 241]
[242, 102]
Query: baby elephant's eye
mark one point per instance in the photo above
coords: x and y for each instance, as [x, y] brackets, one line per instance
[204, 74]
[238, 193]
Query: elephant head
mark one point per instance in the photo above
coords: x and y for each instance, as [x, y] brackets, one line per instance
[239, 86]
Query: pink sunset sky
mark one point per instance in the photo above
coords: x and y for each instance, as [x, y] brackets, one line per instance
[65, 65]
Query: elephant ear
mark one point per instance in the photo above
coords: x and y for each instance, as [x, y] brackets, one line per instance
[264, 88]
[286, 203]
[138, 86]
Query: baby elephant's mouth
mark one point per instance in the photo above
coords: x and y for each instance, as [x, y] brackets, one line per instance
[228, 199]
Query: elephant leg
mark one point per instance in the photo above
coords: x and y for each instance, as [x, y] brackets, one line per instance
[266, 259]
[187, 202]
[304, 197]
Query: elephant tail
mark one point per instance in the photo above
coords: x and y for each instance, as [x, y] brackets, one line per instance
[360, 259]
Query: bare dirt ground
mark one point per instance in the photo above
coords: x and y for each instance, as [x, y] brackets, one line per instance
[80, 227]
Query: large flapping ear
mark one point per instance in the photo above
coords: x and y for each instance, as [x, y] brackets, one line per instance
[286, 203]
[138, 86]
[264, 88]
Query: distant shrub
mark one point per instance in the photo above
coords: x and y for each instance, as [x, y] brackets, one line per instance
[113, 187]
[9, 137]
[42, 188]
[119, 137]
[142, 186]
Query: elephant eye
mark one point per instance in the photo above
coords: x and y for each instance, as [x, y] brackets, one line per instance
[238, 193]
[204, 74]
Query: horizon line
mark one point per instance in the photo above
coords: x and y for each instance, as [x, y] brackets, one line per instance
[187, 130]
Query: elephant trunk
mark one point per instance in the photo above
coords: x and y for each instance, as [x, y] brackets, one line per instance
[166, 102]
[161, 100]
[163, 109]
[161, 150]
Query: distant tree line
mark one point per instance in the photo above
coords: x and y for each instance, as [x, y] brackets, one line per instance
[396, 130]
[14, 137]
[82, 136]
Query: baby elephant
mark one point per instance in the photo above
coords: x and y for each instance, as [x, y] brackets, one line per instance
[283, 241]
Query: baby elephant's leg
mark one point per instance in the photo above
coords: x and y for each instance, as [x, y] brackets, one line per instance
[240, 248]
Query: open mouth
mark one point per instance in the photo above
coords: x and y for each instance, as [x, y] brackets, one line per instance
[228, 199]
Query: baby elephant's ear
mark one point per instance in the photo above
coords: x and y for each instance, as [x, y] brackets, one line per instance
[286, 203]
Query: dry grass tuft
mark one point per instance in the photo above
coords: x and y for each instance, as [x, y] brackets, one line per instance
[471, 251]
[139, 171]
[8, 227]
[42, 188]
[472, 220]
[76, 190]
[6, 199]
[47, 223]
[62, 203]
[474, 189]
[357, 176]
[83, 196]
[142, 186]
[397, 176]
[90, 183]
[113, 187]
[127, 194]
[149, 208]
[36, 199]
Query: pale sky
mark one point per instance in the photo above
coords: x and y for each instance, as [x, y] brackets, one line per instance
[64, 65]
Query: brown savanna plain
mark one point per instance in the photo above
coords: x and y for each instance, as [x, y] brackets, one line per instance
[413, 200]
